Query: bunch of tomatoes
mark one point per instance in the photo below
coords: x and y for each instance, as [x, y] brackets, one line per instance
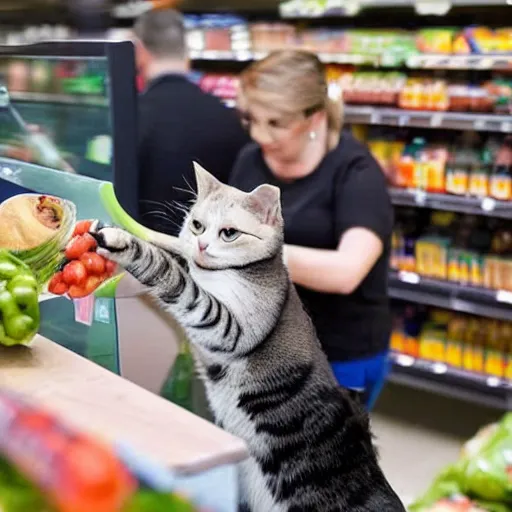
[83, 269]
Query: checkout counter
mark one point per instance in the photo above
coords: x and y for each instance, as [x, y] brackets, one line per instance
[99, 363]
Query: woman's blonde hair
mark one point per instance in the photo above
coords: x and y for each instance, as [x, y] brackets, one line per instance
[293, 81]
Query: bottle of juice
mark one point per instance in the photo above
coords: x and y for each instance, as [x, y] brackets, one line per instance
[75, 473]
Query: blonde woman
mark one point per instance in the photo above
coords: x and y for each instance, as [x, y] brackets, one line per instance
[337, 212]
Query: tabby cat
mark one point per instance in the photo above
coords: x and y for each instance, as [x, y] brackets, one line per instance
[266, 377]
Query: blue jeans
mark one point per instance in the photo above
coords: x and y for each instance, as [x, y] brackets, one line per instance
[366, 376]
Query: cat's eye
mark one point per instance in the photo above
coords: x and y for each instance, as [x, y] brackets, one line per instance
[229, 234]
[196, 227]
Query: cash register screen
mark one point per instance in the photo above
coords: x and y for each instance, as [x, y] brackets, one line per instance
[70, 106]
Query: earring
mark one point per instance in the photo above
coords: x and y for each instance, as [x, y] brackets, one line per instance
[312, 135]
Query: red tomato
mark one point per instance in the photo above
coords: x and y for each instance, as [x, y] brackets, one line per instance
[82, 227]
[79, 245]
[56, 285]
[77, 292]
[92, 283]
[93, 263]
[74, 273]
[110, 267]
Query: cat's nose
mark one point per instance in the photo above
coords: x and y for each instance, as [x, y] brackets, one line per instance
[202, 245]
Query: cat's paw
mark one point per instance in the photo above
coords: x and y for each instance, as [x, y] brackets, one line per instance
[114, 244]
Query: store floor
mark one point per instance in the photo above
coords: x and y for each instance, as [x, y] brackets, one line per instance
[418, 433]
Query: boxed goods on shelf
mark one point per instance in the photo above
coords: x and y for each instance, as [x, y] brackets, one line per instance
[480, 480]
[465, 165]
[461, 249]
[466, 342]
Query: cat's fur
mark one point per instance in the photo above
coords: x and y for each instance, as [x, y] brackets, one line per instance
[266, 377]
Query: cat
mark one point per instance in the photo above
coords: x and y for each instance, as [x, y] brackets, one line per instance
[267, 379]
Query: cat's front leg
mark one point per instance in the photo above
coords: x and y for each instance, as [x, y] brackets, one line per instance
[149, 264]
[207, 320]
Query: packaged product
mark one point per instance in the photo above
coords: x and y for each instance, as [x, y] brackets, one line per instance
[482, 472]
[435, 40]
[454, 341]
[495, 361]
[481, 39]
[432, 343]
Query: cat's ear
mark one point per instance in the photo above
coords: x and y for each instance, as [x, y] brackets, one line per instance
[265, 203]
[206, 183]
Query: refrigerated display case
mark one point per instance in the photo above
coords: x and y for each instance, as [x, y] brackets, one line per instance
[68, 124]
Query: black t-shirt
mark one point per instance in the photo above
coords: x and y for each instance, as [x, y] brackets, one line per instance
[347, 190]
[179, 123]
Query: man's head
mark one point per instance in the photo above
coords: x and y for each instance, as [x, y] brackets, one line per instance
[160, 42]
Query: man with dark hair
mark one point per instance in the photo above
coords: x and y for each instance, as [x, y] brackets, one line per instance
[179, 123]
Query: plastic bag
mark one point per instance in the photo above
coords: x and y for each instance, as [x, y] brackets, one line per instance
[38, 229]
[483, 473]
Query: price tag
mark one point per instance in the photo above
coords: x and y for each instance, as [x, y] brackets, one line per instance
[504, 296]
[243, 55]
[493, 382]
[409, 277]
[403, 120]
[420, 197]
[506, 127]
[488, 204]
[439, 368]
[479, 124]
[436, 120]
[432, 7]
[404, 360]
[375, 117]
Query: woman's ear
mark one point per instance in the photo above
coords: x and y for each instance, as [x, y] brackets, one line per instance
[316, 119]
[265, 203]
[206, 182]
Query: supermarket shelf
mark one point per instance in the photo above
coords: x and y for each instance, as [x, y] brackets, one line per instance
[463, 204]
[449, 381]
[65, 99]
[411, 287]
[439, 61]
[422, 61]
[247, 55]
[424, 119]
[412, 3]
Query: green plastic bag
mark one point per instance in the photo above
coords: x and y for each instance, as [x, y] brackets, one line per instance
[483, 473]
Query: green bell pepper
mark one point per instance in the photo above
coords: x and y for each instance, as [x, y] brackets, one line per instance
[19, 304]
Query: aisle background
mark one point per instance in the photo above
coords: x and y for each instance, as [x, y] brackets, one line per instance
[419, 433]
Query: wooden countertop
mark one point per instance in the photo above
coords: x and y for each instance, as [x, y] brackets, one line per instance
[101, 403]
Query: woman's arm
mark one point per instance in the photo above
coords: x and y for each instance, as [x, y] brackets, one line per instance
[340, 271]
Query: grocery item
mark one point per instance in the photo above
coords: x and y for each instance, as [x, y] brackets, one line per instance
[435, 40]
[482, 473]
[75, 473]
[83, 270]
[19, 307]
[36, 229]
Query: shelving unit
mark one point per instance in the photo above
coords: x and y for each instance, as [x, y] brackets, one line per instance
[446, 380]
[412, 287]
[422, 119]
[421, 61]
[462, 204]
[65, 99]
[408, 286]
